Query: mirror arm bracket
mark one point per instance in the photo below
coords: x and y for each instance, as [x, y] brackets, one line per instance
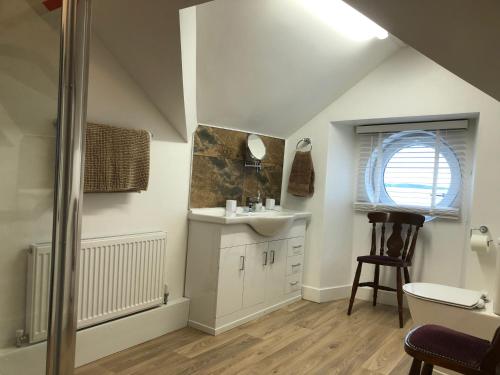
[254, 164]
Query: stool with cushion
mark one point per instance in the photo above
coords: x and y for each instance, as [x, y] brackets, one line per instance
[435, 345]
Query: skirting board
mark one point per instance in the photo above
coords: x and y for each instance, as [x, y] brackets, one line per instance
[227, 327]
[105, 339]
[100, 341]
[321, 295]
[384, 297]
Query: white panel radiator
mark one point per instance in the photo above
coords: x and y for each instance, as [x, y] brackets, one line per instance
[118, 276]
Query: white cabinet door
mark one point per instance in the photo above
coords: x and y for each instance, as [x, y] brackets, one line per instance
[231, 276]
[257, 260]
[276, 269]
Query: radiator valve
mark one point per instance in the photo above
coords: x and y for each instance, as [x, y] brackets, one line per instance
[165, 294]
[21, 338]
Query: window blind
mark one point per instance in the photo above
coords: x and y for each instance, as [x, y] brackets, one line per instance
[418, 171]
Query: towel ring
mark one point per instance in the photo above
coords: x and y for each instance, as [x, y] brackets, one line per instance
[306, 142]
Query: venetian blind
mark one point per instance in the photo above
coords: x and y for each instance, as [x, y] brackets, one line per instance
[413, 170]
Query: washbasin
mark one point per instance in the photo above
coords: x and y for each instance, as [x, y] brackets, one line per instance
[270, 225]
[266, 223]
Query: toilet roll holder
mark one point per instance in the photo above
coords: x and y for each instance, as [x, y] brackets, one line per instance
[483, 229]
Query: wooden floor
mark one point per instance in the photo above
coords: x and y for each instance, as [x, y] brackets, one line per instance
[303, 338]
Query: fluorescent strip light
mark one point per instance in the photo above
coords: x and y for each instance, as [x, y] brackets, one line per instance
[345, 19]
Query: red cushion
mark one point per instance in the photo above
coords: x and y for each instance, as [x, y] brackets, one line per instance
[447, 344]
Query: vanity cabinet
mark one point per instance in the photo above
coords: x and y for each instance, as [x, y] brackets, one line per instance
[234, 275]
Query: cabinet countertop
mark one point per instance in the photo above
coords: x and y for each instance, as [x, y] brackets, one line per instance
[217, 215]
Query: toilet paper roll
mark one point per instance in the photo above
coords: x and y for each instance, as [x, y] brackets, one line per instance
[480, 242]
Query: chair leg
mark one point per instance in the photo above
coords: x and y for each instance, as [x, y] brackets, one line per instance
[407, 276]
[375, 282]
[400, 295]
[355, 287]
[427, 369]
[415, 367]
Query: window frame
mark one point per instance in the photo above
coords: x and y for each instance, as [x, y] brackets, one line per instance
[395, 143]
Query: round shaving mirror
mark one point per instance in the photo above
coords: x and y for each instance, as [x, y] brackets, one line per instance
[256, 147]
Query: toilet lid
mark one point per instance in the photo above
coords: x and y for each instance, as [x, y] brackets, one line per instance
[464, 298]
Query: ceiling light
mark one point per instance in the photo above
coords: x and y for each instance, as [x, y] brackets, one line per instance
[345, 19]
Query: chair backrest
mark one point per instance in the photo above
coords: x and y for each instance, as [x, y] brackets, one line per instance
[491, 361]
[395, 246]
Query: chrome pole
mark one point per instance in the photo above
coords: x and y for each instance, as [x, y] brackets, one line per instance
[70, 148]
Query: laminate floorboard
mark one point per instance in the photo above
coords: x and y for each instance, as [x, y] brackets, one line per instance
[302, 338]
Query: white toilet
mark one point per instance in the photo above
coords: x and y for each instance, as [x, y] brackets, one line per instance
[459, 309]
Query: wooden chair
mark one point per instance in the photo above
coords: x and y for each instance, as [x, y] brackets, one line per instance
[399, 253]
[439, 346]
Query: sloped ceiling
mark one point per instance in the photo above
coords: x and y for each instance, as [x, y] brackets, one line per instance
[264, 66]
[461, 35]
[269, 66]
[144, 36]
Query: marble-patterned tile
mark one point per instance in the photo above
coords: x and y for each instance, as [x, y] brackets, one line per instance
[219, 173]
[267, 181]
[275, 150]
[214, 180]
[210, 141]
[207, 197]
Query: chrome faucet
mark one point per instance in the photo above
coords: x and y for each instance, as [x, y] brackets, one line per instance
[252, 202]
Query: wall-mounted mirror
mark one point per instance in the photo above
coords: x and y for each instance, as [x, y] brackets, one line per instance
[256, 147]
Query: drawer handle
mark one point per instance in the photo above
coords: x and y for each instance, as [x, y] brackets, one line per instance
[296, 265]
[297, 247]
[272, 256]
[242, 263]
[265, 258]
[294, 283]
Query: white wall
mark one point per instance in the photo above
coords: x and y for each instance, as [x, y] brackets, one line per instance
[407, 84]
[115, 99]
[187, 20]
[338, 204]
[316, 228]
[29, 65]
[28, 105]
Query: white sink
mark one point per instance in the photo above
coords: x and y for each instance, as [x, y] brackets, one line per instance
[265, 223]
[270, 225]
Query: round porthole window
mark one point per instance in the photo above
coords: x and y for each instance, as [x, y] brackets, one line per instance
[415, 171]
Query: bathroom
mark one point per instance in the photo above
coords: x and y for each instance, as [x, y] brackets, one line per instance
[274, 68]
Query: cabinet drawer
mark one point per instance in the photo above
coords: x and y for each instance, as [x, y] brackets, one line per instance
[293, 283]
[294, 264]
[295, 246]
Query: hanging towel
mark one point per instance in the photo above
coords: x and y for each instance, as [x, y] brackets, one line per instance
[116, 159]
[301, 182]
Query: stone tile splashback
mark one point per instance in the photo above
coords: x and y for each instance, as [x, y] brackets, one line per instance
[219, 171]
